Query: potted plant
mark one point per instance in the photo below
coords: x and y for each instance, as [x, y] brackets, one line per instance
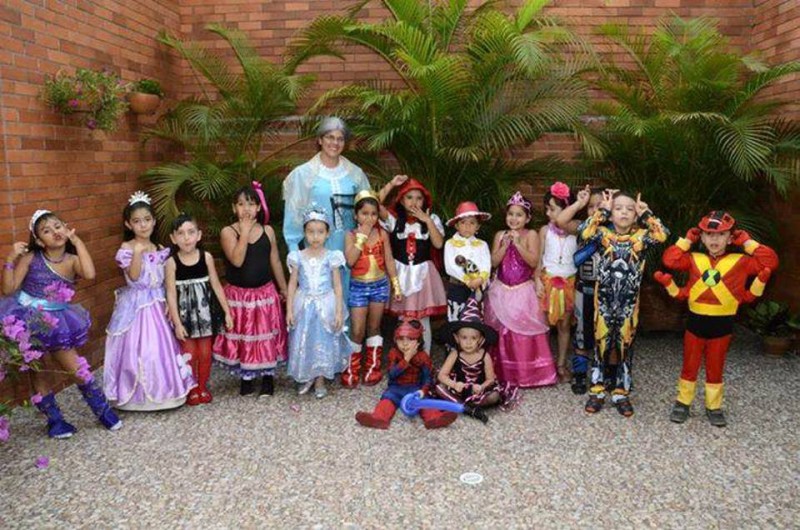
[96, 97]
[145, 96]
[770, 319]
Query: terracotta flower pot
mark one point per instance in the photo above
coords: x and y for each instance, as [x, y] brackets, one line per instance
[142, 103]
[776, 346]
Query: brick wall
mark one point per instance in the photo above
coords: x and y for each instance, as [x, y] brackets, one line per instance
[776, 36]
[47, 161]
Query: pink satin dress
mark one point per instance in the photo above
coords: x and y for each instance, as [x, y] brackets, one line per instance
[522, 355]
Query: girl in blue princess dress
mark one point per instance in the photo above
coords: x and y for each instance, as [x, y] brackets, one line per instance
[318, 343]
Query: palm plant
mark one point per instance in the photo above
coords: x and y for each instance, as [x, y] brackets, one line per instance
[223, 133]
[687, 126]
[472, 84]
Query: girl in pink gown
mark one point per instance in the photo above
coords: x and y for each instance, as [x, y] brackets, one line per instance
[522, 355]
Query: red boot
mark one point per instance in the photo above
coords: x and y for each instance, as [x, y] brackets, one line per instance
[203, 373]
[372, 374]
[351, 375]
[190, 346]
[435, 419]
[380, 417]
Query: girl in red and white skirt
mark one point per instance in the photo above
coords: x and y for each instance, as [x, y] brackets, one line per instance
[414, 233]
[257, 342]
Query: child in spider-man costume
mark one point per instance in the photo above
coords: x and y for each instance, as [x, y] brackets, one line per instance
[717, 284]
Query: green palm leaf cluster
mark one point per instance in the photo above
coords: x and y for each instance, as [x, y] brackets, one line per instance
[472, 85]
[223, 135]
[688, 127]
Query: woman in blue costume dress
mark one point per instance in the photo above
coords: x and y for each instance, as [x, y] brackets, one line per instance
[328, 180]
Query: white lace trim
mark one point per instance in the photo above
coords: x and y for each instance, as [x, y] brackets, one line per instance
[252, 305]
[251, 338]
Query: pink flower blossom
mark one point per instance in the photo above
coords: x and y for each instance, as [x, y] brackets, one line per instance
[13, 327]
[4, 426]
[36, 398]
[84, 371]
[31, 355]
[58, 292]
[560, 191]
[49, 320]
[74, 103]
[91, 123]
[24, 368]
[42, 462]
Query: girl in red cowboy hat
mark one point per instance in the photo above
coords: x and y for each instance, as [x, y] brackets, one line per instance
[555, 274]
[467, 259]
[414, 232]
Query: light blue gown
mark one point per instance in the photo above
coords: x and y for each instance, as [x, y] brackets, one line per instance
[315, 348]
[333, 190]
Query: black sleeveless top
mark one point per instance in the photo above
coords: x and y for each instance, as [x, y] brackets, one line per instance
[191, 272]
[255, 270]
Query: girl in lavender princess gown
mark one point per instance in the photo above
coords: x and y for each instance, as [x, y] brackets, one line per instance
[522, 355]
[144, 369]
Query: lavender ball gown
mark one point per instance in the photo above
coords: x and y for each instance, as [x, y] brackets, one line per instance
[144, 369]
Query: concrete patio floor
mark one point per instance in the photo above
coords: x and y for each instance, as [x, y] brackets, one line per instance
[295, 462]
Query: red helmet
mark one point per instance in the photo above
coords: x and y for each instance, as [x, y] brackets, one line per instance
[717, 221]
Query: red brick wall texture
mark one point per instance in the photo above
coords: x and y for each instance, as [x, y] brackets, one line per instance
[49, 161]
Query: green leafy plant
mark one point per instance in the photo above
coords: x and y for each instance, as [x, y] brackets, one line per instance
[472, 85]
[224, 133]
[769, 318]
[148, 86]
[97, 97]
[687, 125]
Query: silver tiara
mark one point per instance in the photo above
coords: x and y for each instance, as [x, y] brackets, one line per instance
[139, 196]
[315, 213]
[35, 217]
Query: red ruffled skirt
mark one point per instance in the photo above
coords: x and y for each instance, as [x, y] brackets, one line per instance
[257, 342]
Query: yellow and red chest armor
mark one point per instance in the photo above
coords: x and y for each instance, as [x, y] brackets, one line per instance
[717, 286]
[371, 264]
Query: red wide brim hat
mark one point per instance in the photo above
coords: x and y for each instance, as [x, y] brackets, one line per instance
[717, 221]
[468, 209]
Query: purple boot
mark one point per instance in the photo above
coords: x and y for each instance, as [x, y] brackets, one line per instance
[97, 402]
[57, 427]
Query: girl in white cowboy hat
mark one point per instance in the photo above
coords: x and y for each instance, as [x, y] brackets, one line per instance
[467, 259]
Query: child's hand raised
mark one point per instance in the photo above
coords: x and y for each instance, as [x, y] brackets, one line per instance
[246, 224]
[139, 248]
[641, 206]
[17, 249]
[399, 180]
[608, 199]
[583, 196]
[422, 215]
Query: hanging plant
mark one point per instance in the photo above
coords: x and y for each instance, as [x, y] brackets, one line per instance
[145, 96]
[96, 97]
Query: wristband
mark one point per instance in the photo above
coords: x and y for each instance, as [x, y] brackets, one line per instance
[396, 286]
[360, 240]
[9, 266]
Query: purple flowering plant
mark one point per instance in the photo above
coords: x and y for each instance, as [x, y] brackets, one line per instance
[20, 352]
[96, 96]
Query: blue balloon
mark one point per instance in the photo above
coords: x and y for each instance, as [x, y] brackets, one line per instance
[412, 403]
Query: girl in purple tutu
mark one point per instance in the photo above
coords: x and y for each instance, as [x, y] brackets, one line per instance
[257, 342]
[41, 276]
[144, 369]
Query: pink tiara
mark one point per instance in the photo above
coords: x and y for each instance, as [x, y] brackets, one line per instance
[518, 200]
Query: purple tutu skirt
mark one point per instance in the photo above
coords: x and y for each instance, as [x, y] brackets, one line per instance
[71, 331]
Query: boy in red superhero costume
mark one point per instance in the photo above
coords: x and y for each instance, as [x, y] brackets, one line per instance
[717, 284]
